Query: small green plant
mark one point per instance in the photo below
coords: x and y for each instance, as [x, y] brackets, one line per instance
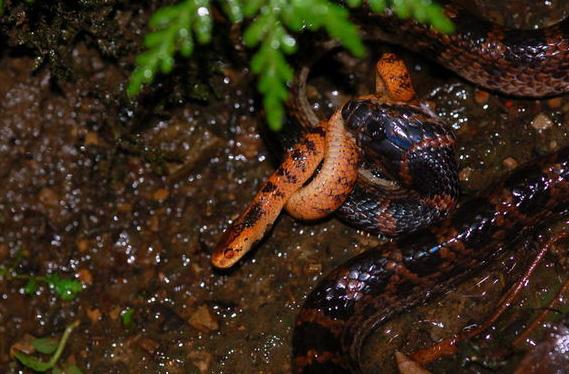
[271, 29]
[65, 288]
[49, 346]
[127, 317]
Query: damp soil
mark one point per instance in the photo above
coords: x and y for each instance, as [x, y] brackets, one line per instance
[130, 197]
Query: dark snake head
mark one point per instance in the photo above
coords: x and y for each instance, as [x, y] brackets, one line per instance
[388, 132]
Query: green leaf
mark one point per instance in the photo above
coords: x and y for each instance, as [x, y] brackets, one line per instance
[41, 366]
[252, 7]
[164, 16]
[172, 25]
[32, 362]
[258, 29]
[286, 42]
[339, 26]
[66, 289]
[31, 286]
[72, 369]
[166, 63]
[203, 23]
[353, 3]
[377, 5]
[127, 317]
[186, 46]
[439, 20]
[402, 8]
[232, 9]
[274, 112]
[154, 39]
[45, 345]
[273, 21]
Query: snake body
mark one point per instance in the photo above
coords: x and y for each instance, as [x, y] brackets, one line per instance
[412, 144]
[361, 294]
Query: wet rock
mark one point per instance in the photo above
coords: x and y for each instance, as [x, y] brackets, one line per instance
[24, 345]
[85, 276]
[554, 103]
[165, 319]
[510, 163]
[541, 122]
[94, 314]
[201, 359]
[82, 245]
[465, 174]
[148, 345]
[154, 223]
[160, 195]
[203, 320]
[481, 97]
[313, 268]
[4, 251]
[48, 197]
[91, 138]
[249, 144]
[115, 313]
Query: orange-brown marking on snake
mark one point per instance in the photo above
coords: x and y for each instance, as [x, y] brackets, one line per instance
[332, 185]
[393, 79]
[298, 165]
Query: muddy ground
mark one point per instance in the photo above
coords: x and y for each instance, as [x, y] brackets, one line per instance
[129, 197]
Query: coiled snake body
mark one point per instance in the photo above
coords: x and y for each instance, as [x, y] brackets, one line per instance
[361, 294]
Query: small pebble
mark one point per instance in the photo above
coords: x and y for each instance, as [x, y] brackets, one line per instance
[541, 122]
[149, 345]
[82, 244]
[160, 195]
[203, 320]
[115, 313]
[124, 207]
[154, 223]
[85, 276]
[313, 268]
[201, 359]
[481, 97]
[554, 103]
[23, 345]
[465, 174]
[509, 104]
[94, 314]
[48, 196]
[92, 138]
[510, 163]
[250, 145]
[4, 251]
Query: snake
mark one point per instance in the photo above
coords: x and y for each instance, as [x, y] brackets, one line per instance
[357, 297]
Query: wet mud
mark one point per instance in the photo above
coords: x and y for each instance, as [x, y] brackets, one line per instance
[130, 197]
